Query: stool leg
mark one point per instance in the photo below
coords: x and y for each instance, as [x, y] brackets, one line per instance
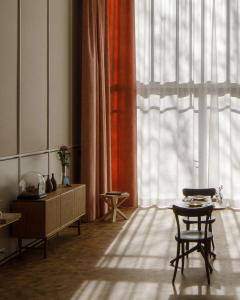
[109, 204]
[114, 205]
[122, 214]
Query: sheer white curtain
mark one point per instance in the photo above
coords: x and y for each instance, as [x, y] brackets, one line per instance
[188, 98]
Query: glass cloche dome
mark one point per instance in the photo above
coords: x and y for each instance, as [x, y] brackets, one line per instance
[32, 186]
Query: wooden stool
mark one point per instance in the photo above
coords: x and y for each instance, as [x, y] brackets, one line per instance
[114, 200]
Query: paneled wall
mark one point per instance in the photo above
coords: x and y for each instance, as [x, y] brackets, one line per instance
[35, 92]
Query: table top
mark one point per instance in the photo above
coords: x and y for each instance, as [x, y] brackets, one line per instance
[198, 204]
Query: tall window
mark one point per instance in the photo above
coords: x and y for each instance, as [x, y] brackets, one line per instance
[188, 98]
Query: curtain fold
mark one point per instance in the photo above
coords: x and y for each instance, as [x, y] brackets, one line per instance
[123, 97]
[95, 105]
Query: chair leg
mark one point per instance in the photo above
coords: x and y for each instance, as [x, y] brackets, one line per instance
[176, 264]
[206, 261]
[210, 249]
[182, 258]
[195, 248]
[213, 246]
[202, 250]
[210, 229]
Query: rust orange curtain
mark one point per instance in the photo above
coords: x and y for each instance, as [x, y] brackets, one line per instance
[123, 97]
[108, 101]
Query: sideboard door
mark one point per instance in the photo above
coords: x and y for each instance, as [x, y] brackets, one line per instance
[67, 207]
[80, 200]
[53, 221]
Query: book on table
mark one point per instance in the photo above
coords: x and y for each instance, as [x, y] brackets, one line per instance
[115, 193]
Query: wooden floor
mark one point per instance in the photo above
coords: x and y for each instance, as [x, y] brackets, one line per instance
[126, 260]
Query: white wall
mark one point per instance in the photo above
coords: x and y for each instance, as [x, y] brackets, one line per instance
[35, 93]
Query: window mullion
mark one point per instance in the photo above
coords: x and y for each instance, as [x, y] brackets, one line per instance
[190, 41]
[177, 41]
[202, 111]
[202, 42]
[228, 41]
[152, 41]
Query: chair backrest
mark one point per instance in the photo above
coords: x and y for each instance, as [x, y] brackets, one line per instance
[199, 212]
[205, 192]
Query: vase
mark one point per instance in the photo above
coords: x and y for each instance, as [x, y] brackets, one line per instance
[64, 174]
[49, 186]
[54, 183]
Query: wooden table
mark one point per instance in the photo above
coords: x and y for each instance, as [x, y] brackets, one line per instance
[9, 218]
[114, 201]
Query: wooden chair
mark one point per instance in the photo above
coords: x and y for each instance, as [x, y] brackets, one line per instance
[202, 238]
[204, 192]
[211, 192]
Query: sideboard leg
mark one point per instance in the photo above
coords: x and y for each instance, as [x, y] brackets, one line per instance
[19, 247]
[45, 248]
[78, 224]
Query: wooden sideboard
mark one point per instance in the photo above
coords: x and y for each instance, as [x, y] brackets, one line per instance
[43, 218]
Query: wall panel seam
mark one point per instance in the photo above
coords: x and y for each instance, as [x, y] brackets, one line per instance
[19, 88]
[48, 85]
[71, 71]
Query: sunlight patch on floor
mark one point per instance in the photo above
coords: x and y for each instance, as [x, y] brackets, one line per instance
[136, 264]
[97, 290]
[118, 290]
[142, 243]
[231, 233]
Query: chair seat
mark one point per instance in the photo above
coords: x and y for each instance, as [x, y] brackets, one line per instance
[193, 236]
[195, 221]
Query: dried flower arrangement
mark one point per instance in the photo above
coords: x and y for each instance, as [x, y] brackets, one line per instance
[64, 155]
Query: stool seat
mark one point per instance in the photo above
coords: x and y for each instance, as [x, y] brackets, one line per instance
[114, 200]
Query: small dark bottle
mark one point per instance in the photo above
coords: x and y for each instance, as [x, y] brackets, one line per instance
[49, 186]
[54, 182]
